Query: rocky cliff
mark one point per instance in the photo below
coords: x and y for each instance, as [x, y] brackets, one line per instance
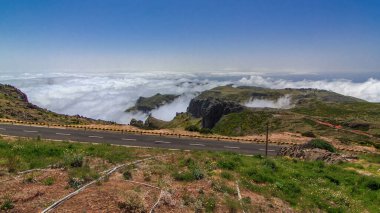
[211, 110]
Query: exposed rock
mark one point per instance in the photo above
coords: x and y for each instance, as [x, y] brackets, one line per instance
[305, 152]
[211, 110]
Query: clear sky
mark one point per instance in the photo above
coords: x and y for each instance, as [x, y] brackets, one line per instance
[190, 35]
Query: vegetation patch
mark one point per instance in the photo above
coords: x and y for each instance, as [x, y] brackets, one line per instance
[243, 123]
[321, 144]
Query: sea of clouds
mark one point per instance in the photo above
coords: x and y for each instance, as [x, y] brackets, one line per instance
[107, 96]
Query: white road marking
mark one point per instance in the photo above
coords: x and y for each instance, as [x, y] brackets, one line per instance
[231, 147]
[58, 133]
[30, 131]
[269, 150]
[187, 150]
[2, 129]
[128, 139]
[162, 142]
[196, 144]
[173, 149]
[94, 136]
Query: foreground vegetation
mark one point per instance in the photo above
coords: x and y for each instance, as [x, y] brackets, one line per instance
[306, 186]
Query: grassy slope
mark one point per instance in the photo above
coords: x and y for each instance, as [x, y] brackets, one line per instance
[149, 103]
[14, 105]
[340, 113]
[243, 123]
[245, 93]
[181, 120]
[307, 186]
[324, 105]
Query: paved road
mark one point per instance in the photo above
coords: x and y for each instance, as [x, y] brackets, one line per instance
[172, 143]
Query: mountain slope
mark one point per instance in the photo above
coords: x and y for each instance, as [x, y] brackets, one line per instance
[14, 104]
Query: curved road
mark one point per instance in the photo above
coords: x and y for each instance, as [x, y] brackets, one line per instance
[171, 143]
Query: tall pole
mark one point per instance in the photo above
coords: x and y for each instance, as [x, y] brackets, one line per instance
[266, 140]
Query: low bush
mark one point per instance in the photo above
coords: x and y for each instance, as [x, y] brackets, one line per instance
[48, 181]
[29, 178]
[194, 174]
[75, 182]
[127, 175]
[373, 184]
[321, 144]
[227, 164]
[132, 202]
[232, 205]
[12, 163]
[192, 128]
[73, 159]
[205, 131]
[7, 204]
[221, 186]
[226, 175]
[209, 204]
[309, 134]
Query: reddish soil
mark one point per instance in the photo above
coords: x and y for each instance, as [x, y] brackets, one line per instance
[29, 193]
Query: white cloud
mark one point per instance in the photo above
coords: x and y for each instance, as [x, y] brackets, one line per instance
[106, 96]
[281, 103]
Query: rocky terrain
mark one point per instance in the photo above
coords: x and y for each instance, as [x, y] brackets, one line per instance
[316, 150]
[212, 109]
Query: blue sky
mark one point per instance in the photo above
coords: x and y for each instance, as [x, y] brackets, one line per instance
[302, 36]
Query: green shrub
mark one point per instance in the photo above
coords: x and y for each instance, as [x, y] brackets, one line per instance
[198, 174]
[192, 128]
[333, 180]
[226, 175]
[221, 186]
[7, 204]
[209, 204]
[309, 134]
[259, 175]
[205, 131]
[270, 164]
[75, 182]
[73, 159]
[29, 178]
[232, 205]
[321, 144]
[127, 175]
[227, 164]
[48, 181]
[373, 185]
[12, 163]
[183, 176]
[132, 202]
[194, 174]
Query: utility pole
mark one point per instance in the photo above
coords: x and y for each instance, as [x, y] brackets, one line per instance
[266, 140]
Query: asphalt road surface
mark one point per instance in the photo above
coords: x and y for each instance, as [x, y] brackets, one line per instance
[171, 143]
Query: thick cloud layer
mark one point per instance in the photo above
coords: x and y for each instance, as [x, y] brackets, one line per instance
[106, 96]
[281, 103]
